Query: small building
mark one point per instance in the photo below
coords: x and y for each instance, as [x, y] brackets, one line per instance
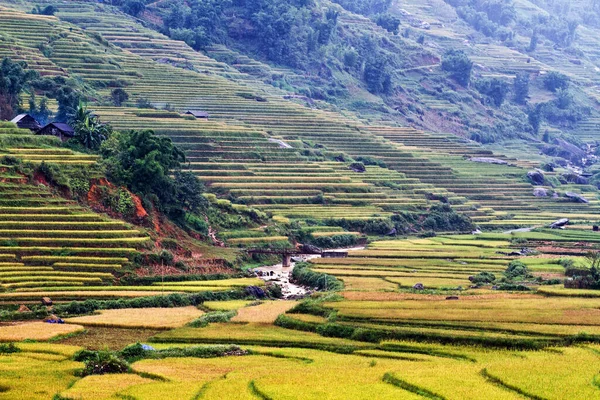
[197, 113]
[26, 121]
[63, 131]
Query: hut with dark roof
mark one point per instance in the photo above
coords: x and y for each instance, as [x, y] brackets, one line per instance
[26, 121]
[197, 113]
[63, 131]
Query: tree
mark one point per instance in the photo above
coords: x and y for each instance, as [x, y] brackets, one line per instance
[458, 65]
[88, 129]
[134, 7]
[533, 42]
[388, 22]
[14, 77]
[535, 116]
[521, 88]
[143, 162]
[593, 257]
[189, 191]
[495, 88]
[377, 76]
[48, 10]
[554, 81]
[41, 113]
[119, 96]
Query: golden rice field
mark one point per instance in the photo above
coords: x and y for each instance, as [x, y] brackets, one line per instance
[156, 318]
[36, 331]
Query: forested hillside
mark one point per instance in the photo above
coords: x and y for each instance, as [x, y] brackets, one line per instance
[455, 66]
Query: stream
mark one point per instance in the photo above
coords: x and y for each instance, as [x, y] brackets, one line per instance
[281, 276]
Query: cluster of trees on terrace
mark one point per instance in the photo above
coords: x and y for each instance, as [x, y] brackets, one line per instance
[147, 165]
[562, 111]
[498, 19]
[299, 34]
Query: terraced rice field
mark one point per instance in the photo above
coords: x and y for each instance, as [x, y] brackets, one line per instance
[237, 151]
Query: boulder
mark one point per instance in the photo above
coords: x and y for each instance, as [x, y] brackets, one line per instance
[576, 179]
[536, 177]
[419, 286]
[255, 291]
[540, 192]
[310, 249]
[559, 223]
[576, 198]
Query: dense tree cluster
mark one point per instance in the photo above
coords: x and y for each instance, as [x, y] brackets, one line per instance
[490, 17]
[458, 65]
[14, 77]
[150, 166]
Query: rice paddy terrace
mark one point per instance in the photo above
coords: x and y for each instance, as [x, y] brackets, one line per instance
[243, 149]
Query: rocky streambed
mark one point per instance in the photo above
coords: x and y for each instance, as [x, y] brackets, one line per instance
[281, 275]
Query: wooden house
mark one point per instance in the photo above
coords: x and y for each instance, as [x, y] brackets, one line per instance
[26, 121]
[63, 131]
[197, 113]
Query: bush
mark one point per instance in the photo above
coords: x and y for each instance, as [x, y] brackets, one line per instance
[104, 362]
[495, 88]
[554, 81]
[9, 348]
[305, 276]
[458, 65]
[483, 278]
[215, 316]
[516, 269]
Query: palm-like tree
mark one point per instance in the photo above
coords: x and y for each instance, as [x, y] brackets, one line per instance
[88, 129]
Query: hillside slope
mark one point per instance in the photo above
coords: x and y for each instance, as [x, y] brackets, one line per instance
[234, 152]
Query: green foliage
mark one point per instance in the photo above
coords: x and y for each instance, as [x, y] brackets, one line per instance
[521, 88]
[14, 78]
[441, 217]
[305, 276]
[483, 278]
[145, 163]
[554, 81]
[365, 7]
[119, 96]
[168, 301]
[458, 65]
[388, 22]
[102, 362]
[495, 88]
[48, 10]
[89, 131]
[489, 17]
[137, 352]
[213, 317]
[134, 7]
[336, 241]
[516, 269]
[8, 348]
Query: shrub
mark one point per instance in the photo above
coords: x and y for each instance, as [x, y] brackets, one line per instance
[495, 88]
[483, 278]
[9, 348]
[458, 65]
[516, 269]
[554, 81]
[104, 362]
[215, 316]
[305, 276]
